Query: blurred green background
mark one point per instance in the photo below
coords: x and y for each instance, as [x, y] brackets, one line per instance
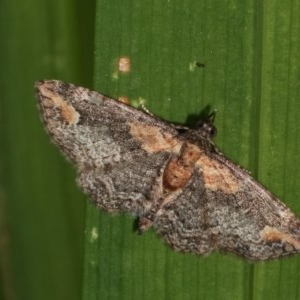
[251, 75]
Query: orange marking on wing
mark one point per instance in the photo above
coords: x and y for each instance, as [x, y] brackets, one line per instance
[216, 176]
[68, 112]
[151, 138]
[272, 235]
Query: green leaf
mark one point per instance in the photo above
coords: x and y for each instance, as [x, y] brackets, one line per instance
[250, 50]
[41, 209]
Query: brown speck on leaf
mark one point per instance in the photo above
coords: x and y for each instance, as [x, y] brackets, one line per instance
[124, 99]
[124, 64]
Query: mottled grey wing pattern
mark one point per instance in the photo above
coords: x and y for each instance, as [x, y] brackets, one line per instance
[196, 199]
[101, 136]
[228, 210]
[265, 226]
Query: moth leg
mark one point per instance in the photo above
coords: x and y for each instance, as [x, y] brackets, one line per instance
[144, 223]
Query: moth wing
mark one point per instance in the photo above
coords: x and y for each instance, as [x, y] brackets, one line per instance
[119, 151]
[224, 208]
[182, 223]
[265, 228]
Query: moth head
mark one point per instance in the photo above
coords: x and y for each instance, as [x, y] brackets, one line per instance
[206, 127]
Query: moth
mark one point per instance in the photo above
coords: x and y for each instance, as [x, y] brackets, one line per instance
[176, 181]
